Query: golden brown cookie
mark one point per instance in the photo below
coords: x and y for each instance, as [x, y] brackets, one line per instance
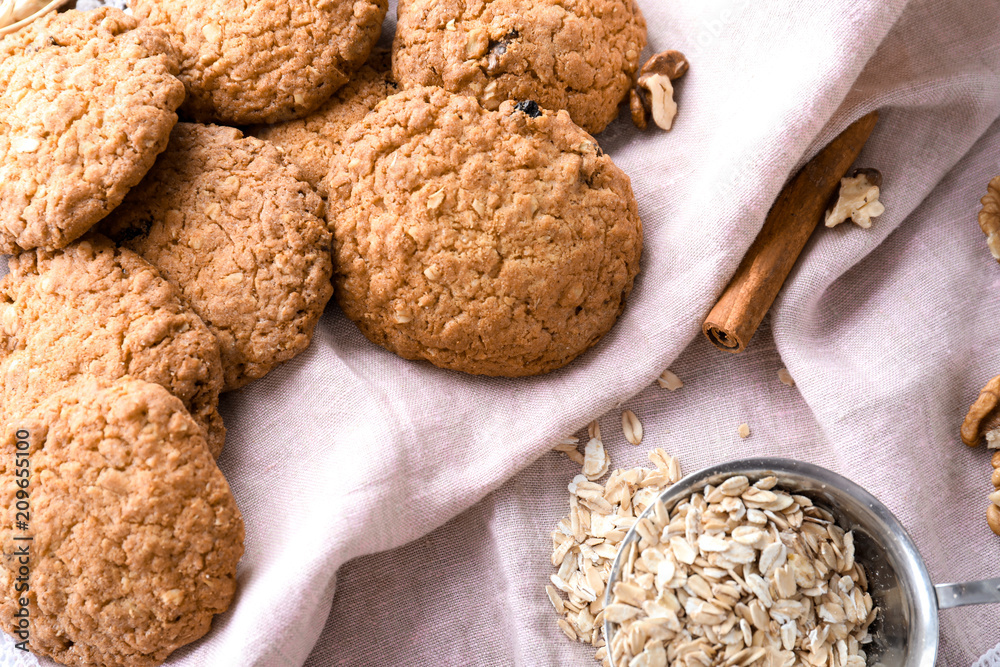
[231, 223]
[578, 55]
[134, 532]
[495, 243]
[94, 309]
[311, 141]
[267, 61]
[87, 102]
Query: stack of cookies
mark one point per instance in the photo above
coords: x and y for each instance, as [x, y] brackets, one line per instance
[476, 223]
[449, 193]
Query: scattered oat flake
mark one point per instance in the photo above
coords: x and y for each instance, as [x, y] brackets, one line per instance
[569, 447]
[595, 460]
[632, 427]
[554, 598]
[786, 377]
[567, 629]
[744, 430]
[669, 380]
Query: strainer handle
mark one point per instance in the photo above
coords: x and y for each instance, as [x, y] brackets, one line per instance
[966, 593]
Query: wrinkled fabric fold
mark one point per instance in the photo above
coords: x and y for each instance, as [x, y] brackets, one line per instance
[349, 450]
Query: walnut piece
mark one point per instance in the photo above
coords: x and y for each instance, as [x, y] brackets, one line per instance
[989, 217]
[857, 199]
[983, 417]
[640, 116]
[654, 91]
[993, 512]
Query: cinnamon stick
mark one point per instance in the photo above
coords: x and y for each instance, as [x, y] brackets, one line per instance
[798, 209]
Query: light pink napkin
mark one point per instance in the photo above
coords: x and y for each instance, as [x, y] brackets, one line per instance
[889, 332]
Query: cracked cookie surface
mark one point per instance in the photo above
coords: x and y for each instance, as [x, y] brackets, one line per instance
[94, 309]
[87, 102]
[311, 141]
[495, 243]
[265, 61]
[135, 532]
[229, 221]
[578, 55]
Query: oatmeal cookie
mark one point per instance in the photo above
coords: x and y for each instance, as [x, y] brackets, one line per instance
[94, 309]
[578, 55]
[135, 535]
[495, 243]
[311, 141]
[87, 102]
[266, 61]
[231, 223]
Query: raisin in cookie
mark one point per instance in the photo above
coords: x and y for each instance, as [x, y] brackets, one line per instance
[94, 309]
[135, 535]
[578, 55]
[231, 223]
[262, 62]
[495, 243]
[87, 101]
[311, 141]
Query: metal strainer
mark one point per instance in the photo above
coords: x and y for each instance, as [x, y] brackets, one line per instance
[906, 630]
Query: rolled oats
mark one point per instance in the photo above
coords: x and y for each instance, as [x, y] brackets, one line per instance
[669, 380]
[632, 427]
[585, 544]
[569, 447]
[595, 459]
[741, 574]
[594, 430]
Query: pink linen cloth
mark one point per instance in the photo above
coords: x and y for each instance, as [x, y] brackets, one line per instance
[889, 333]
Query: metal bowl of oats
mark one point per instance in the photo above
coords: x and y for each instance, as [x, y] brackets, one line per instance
[773, 562]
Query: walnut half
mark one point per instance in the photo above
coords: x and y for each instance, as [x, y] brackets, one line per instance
[857, 199]
[983, 422]
[983, 418]
[654, 91]
[989, 217]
